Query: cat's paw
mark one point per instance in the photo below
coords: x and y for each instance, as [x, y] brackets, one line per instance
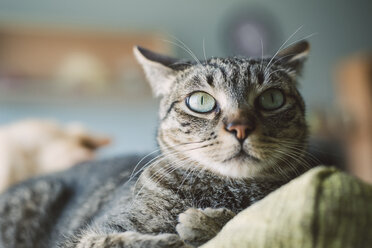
[132, 240]
[165, 241]
[197, 226]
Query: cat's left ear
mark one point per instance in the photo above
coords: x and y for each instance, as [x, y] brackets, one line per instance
[294, 56]
[158, 69]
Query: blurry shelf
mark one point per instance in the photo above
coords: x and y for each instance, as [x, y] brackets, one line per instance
[68, 100]
[53, 65]
[42, 94]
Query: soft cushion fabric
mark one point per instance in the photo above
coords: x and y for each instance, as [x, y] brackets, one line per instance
[322, 208]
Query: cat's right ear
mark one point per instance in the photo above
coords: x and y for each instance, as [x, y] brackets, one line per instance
[294, 56]
[158, 69]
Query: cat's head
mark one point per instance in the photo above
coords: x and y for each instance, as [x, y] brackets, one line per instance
[237, 117]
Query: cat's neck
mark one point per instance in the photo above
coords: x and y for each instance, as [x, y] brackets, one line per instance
[201, 188]
[178, 169]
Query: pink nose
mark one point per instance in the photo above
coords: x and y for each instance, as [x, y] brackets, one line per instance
[241, 131]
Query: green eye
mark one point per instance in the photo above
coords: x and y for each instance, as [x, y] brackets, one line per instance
[201, 102]
[271, 99]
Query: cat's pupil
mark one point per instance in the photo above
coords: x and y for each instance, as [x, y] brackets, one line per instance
[202, 100]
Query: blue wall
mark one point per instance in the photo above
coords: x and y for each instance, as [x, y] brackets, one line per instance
[342, 27]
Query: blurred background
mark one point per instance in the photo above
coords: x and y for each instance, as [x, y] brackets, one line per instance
[71, 61]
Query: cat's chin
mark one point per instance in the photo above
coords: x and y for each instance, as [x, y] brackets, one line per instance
[237, 170]
[238, 167]
[242, 157]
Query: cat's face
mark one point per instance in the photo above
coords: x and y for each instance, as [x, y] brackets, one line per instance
[236, 117]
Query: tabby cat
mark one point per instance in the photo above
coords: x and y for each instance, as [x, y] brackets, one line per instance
[231, 131]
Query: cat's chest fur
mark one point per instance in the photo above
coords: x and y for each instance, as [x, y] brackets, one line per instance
[210, 191]
[166, 195]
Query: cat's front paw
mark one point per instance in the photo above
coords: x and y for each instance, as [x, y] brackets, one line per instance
[131, 240]
[197, 226]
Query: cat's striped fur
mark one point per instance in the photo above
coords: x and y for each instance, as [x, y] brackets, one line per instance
[203, 176]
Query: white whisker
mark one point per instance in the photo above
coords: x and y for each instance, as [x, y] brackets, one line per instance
[268, 76]
[153, 159]
[166, 170]
[157, 162]
[301, 39]
[184, 47]
[262, 52]
[190, 53]
[205, 56]
[281, 47]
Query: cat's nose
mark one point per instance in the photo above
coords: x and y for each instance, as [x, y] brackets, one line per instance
[240, 130]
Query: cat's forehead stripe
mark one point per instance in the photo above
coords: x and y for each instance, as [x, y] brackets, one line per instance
[239, 70]
[210, 79]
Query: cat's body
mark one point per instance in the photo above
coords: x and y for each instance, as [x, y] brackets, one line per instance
[95, 198]
[230, 132]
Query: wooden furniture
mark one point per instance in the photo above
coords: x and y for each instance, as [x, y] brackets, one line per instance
[37, 52]
[39, 63]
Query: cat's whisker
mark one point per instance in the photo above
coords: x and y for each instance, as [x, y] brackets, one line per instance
[155, 158]
[187, 51]
[167, 170]
[274, 159]
[190, 159]
[205, 56]
[165, 157]
[188, 48]
[157, 150]
[268, 76]
[300, 151]
[146, 166]
[191, 178]
[139, 162]
[299, 147]
[181, 164]
[291, 166]
[298, 158]
[290, 157]
[184, 47]
[281, 47]
[149, 180]
[304, 158]
[188, 174]
[301, 161]
[301, 39]
[296, 146]
[288, 55]
[157, 161]
[153, 164]
[262, 53]
[308, 155]
[201, 170]
[173, 167]
[192, 182]
[277, 61]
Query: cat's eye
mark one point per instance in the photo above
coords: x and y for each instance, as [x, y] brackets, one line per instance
[271, 99]
[201, 102]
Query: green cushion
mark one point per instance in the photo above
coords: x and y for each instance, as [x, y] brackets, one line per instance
[322, 208]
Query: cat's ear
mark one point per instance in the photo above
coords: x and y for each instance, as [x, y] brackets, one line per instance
[294, 56]
[158, 69]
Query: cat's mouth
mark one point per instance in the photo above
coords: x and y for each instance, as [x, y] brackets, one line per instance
[242, 155]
